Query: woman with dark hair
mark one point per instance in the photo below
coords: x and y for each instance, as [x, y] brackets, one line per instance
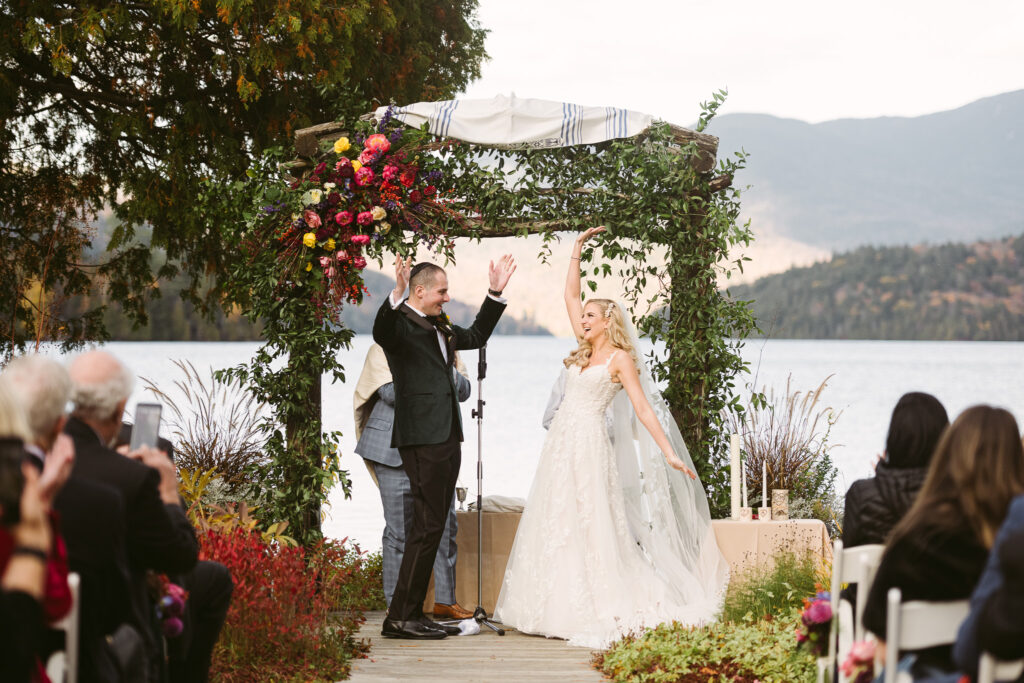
[875, 505]
[939, 549]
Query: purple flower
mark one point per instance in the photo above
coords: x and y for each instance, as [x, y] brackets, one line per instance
[173, 627]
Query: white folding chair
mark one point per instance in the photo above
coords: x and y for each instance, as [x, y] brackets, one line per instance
[855, 565]
[991, 669]
[917, 624]
[62, 666]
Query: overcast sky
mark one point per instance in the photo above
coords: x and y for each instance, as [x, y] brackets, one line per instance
[813, 61]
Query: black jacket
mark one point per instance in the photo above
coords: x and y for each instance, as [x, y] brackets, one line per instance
[875, 505]
[426, 400]
[157, 536]
[93, 527]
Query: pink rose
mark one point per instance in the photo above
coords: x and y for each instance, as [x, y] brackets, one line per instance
[364, 218]
[359, 262]
[366, 157]
[343, 217]
[342, 256]
[361, 240]
[364, 176]
[312, 219]
[329, 272]
[378, 143]
[390, 173]
[325, 261]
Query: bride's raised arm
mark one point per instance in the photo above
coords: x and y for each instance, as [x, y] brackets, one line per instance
[623, 369]
[573, 305]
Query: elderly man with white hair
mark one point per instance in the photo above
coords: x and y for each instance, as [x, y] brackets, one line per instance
[159, 535]
[91, 514]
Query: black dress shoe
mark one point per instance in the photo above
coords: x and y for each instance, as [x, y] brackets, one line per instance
[430, 623]
[412, 630]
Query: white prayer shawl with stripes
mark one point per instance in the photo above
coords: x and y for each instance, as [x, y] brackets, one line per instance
[510, 121]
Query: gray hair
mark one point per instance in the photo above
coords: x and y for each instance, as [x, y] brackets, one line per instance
[97, 397]
[43, 387]
[12, 417]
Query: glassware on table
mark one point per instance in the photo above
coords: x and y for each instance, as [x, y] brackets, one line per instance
[460, 494]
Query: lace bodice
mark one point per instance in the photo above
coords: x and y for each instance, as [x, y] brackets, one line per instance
[590, 391]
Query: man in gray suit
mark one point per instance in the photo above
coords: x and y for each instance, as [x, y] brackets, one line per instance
[374, 414]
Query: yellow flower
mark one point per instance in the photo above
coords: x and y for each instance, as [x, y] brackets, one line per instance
[341, 145]
[356, 165]
[309, 266]
[383, 227]
[330, 244]
[378, 213]
[309, 239]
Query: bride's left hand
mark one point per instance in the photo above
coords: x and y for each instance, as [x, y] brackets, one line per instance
[676, 463]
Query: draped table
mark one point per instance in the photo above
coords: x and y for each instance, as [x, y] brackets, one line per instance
[745, 545]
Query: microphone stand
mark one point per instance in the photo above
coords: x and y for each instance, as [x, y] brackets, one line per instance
[479, 613]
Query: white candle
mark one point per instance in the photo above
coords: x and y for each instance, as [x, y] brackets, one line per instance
[764, 485]
[743, 481]
[734, 474]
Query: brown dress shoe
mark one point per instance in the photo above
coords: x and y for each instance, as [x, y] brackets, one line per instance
[455, 611]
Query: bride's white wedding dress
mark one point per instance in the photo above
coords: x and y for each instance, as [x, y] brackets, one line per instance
[596, 557]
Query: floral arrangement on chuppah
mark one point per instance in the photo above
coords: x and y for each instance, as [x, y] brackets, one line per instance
[377, 192]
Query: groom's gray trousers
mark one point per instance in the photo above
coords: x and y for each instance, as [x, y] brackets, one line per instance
[396, 497]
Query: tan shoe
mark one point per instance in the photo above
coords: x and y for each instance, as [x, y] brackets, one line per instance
[442, 611]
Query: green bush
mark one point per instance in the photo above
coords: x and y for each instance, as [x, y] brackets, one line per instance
[754, 639]
[364, 589]
[739, 652]
[775, 592]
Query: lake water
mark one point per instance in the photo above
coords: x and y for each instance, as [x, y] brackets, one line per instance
[867, 379]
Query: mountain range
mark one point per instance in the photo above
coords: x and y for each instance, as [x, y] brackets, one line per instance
[950, 176]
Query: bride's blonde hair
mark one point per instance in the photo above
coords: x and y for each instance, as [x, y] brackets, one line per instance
[616, 334]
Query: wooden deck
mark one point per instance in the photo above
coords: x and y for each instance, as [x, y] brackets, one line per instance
[483, 657]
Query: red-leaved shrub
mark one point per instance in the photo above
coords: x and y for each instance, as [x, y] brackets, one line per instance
[282, 624]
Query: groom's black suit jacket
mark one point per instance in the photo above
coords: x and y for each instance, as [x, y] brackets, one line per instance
[426, 402]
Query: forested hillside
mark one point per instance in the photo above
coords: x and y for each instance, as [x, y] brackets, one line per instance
[946, 292]
[171, 318]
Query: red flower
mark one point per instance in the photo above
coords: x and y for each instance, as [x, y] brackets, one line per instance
[408, 178]
[344, 168]
[320, 168]
[343, 217]
[364, 217]
[415, 196]
[429, 190]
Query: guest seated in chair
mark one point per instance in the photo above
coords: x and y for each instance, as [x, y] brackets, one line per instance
[996, 621]
[875, 505]
[937, 552]
[374, 404]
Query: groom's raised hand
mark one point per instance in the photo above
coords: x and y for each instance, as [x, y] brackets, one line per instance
[500, 274]
[402, 269]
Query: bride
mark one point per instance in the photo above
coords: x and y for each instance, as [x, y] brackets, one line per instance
[612, 539]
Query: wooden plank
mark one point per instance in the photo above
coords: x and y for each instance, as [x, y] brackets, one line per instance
[483, 657]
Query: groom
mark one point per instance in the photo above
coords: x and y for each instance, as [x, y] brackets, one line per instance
[420, 345]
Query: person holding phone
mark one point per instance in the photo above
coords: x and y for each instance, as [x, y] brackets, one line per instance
[158, 535]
